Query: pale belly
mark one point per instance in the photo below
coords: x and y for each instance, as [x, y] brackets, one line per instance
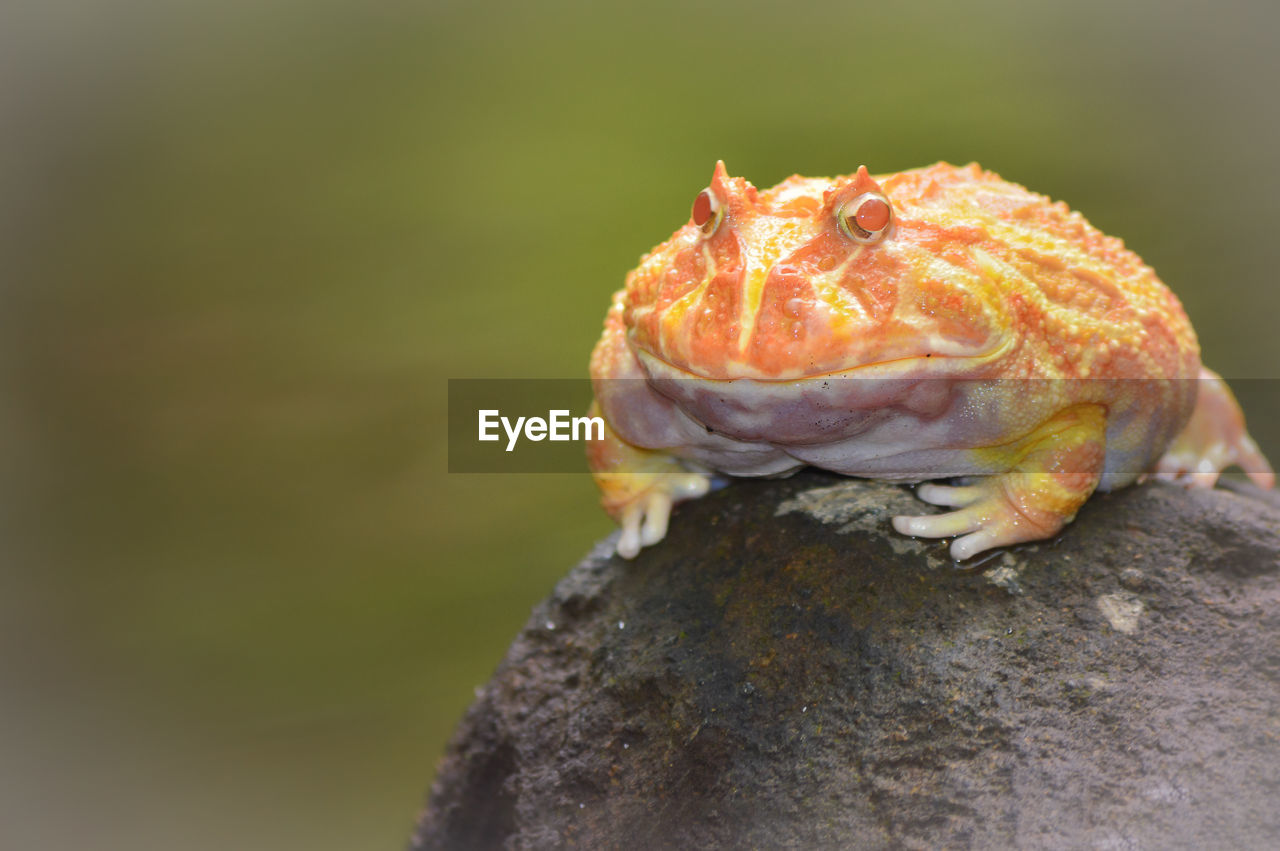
[895, 429]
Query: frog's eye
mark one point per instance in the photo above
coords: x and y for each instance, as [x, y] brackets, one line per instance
[707, 212]
[865, 218]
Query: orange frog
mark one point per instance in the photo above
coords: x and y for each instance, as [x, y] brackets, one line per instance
[939, 323]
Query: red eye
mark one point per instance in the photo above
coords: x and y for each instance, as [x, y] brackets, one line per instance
[707, 212]
[865, 218]
[873, 215]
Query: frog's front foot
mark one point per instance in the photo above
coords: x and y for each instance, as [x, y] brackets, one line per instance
[1214, 439]
[1006, 509]
[638, 486]
[1051, 473]
[647, 508]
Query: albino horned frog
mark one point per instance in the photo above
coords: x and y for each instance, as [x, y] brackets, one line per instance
[939, 323]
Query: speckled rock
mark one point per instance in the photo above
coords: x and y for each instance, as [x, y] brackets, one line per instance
[784, 671]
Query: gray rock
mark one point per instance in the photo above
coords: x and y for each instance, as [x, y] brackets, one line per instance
[784, 671]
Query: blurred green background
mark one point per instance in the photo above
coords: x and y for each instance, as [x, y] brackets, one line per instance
[245, 245]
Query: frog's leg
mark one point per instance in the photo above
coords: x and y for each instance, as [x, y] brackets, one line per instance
[1214, 439]
[639, 486]
[1050, 473]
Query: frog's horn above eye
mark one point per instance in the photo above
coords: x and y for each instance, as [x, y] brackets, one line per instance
[724, 196]
[736, 192]
[720, 177]
[861, 183]
[864, 182]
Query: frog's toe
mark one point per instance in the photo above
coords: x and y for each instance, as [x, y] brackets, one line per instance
[948, 495]
[978, 530]
[985, 518]
[1255, 464]
[1187, 470]
[940, 525]
[629, 539]
[684, 486]
[644, 520]
[656, 514]
[1010, 508]
[977, 542]
[1200, 466]
[988, 521]
[1212, 440]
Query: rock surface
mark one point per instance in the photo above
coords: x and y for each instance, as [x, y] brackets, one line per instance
[784, 671]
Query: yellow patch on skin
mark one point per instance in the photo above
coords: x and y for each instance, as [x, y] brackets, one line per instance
[827, 287]
[1062, 454]
[764, 245]
[673, 316]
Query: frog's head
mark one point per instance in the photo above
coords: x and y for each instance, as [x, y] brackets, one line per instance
[812, 277]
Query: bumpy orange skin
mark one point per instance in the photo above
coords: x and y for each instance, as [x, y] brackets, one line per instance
[779, 292]
[1005, 337]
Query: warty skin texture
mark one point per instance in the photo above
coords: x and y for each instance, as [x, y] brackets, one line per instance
[938, 323]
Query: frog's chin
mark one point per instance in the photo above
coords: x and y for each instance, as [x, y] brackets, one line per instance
[811, 409]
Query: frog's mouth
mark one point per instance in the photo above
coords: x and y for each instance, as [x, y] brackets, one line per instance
[941, 365]
[824, 406]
